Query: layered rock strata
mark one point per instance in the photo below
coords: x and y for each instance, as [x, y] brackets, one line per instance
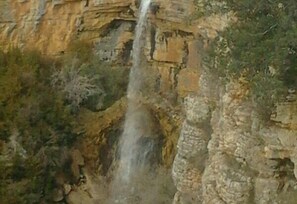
[224, 154]
[191, 156]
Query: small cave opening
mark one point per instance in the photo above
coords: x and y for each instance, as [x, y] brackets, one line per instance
[114, 25]
[154, 8]
[285, 168]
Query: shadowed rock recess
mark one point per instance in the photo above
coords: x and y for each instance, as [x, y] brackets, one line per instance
[210, 145]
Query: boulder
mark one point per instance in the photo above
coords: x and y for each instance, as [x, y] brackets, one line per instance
[58, 195]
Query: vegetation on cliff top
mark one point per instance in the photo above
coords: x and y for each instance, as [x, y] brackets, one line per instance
[260, 46]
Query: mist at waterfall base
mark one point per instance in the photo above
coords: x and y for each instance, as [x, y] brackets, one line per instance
[135, 182]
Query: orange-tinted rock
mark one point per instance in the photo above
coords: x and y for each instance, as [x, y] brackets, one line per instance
[169, 49]
[193, 55]
[50, 26]
[166, 78]
[188, 82]
[285, 115]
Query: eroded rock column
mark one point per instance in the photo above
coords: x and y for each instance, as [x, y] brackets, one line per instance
[228, 178]
[192, 151]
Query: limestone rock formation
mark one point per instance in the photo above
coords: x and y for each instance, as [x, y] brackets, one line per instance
[190, 160]
[219, 150]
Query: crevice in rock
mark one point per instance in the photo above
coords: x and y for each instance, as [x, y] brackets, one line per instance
[285, 168]
[153, 41]
[186, 53]
[183, 34]
[87, 3]
[107, 151]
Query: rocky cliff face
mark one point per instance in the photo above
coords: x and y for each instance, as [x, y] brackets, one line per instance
[223, 152]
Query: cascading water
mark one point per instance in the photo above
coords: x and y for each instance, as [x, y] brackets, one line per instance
[137, 117]
[134, 149]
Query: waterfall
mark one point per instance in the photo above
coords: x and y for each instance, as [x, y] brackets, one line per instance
[134, 149]
[137, 118]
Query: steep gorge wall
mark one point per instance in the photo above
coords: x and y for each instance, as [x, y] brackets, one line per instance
[51, 26]
[224, 154]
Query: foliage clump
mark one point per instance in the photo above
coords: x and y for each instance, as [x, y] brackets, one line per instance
[40, 100]
[208, 7]
[34, 117]
[260, 46]
[75, 86]
[87, 81]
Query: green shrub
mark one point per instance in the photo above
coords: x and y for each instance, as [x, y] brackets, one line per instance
[101, 83]
[38, 112]
[207, 7]
[18, 171]
[261, 46]
[44, 116]
[113, 81]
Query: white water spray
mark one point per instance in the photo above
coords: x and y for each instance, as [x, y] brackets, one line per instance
[137, 121]
[135, 143]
